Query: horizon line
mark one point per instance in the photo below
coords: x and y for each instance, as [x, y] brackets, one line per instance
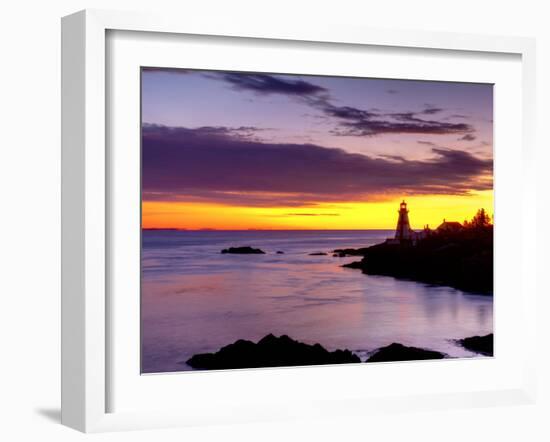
[249, 230]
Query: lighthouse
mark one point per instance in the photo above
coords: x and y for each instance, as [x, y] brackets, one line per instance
[403, 231]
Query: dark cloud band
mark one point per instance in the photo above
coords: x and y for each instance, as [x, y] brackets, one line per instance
[221, 166]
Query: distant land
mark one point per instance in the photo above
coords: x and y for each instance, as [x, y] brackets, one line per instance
[264, 230]
[162, 228]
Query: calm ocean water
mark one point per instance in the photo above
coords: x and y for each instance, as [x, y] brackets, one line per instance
[196, 300]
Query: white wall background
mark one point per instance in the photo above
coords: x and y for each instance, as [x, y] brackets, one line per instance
[30, 218]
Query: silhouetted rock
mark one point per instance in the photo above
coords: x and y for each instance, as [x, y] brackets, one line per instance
[341, 253]
[270, 351]
[479, 344]
[462, 259]
[243, 250]
[280, 252]
[399, 352]
[354, 265]
[317, 254]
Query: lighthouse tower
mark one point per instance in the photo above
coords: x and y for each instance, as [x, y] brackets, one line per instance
[403, 230]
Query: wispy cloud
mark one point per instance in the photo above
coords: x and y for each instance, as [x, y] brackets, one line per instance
[359, 122]
[348, 120]
[240, 132]
[431, 110]
[270, 84]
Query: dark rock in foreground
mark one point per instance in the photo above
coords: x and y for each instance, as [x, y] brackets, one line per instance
[479, 344]
[243, 250]
[318, 254]
[270, 351]
[399, 352]
[280, 252]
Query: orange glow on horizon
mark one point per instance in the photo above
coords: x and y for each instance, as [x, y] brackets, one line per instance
[425, 209]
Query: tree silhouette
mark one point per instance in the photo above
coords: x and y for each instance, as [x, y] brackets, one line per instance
[480, 220]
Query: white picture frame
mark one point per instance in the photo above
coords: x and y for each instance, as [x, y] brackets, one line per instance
[85, 209]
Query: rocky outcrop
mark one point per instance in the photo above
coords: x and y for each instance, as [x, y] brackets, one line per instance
[399, 352]
[270, 351]
[243, 250]
[341, 253]
[463, 260]
[479, 344]
[354, 265]
[318, 254]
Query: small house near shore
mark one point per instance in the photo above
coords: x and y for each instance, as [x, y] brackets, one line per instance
[404, 234]
[449, 227]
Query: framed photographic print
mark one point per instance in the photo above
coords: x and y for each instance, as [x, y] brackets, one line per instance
[262, 223]
[254, 220]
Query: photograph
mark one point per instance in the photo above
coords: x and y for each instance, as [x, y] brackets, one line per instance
[295, 220]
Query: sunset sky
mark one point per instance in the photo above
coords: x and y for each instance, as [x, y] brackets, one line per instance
[224, 150]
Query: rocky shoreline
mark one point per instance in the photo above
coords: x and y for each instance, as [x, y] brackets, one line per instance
[283, 351]
[270, 351]
[398, 352]
[462, 260]
[479, 344]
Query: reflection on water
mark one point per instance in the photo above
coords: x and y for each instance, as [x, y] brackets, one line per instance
[196, 300]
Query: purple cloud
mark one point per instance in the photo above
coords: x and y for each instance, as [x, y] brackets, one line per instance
[218, 165]
[431, 110]
[357, 122]
[350, 121]
[270, 84]
[353, 121]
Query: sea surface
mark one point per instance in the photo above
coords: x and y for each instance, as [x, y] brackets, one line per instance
[195, 299]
